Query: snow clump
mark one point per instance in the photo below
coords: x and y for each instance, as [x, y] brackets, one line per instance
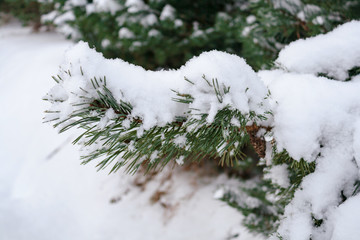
[150, 92]
[333, 53]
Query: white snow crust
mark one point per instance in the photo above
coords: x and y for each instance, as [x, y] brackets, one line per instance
[317, 119]
[278, 174]
[346, 220]
[126, 33]
[150, 92]
[111, 6]
[333, 53]
[168, 12]
[135, 5]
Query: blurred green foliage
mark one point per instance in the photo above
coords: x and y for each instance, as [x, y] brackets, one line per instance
[255, 30]
[27, 11]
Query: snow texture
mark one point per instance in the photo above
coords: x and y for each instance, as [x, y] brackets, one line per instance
[146, 89]
[168, 12]
[149, 20]
[135, 5]
[103, 6]
[317, 119]
[289, 5]
[278, 174]
[333, 53]
[346, 220]
[126, 33]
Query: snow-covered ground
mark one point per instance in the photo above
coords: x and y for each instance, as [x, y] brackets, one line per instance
[46, 194]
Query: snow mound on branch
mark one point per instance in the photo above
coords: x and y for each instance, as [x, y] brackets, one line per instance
[168, 12]
[316, 119]
[150, 92]
[333, 53]
[346, 218]
[310, 111]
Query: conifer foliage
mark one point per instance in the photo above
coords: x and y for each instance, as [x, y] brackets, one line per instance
[166, 33]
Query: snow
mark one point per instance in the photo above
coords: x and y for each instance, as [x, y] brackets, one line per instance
[62, 19]
[290, 5]
[250, 19]
[319, 20]
[105, 43]
[246, 31]
[109, 115]
[278, 174]
[334, 53]
[103, 6]
[149, 20]
[314, 109]
[126, 33]
[178, 23]
[308, 11]
[135, 6]
[154, 156]
[235, 122]
[317, 119]
[145, 89]
[238, 194]
[49, 16]
[153, 33]
[180, 140]
[68, 16]
[46, 194]
[168, 12]
[197, 33]
[180, 160]
[77, 2]
[219, 193]
[346, 220]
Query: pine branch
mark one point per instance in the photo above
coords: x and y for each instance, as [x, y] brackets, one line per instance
[113, 136]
